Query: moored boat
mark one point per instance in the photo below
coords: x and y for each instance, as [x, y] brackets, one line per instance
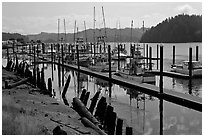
[101, 64]
[183, 68]
[135, 71]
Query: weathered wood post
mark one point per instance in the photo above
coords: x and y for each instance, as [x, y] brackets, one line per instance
[111, 123]
[197, 53]
[190, 62]
[100, 49]
[118, 56]
[43, 48]
[101, 106]
[78, 66]
[157, 56]
[93, 102]
[37, 51]
[52, 61]
[43, 85]
[59, 74]
[174, 54]
[38, 78]
[34, 70]
[86, 98]
[91, 49]
[83, 95]
[110, 76]
[7, 55]
[150, 58]
[119, 127]
[128, 130]
[108, 112]
[62, 53]
[94, 50]
[13, 52]
[65, 90]
[49, 84]
[147, 54]
[161, 90]
[104, 47]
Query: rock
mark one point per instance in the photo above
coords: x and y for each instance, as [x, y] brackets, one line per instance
[58, 131]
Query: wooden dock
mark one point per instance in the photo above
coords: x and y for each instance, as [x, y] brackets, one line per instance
[168, 95]
[171, 74]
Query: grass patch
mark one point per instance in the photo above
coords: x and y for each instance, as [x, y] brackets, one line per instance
[19, 121]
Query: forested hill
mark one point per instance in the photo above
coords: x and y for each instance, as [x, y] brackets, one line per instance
[178, 29]
[112, 35]
[16, 36]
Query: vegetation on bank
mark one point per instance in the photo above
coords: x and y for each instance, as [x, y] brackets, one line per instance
[19, 121]
[179, 29]
[14, 36]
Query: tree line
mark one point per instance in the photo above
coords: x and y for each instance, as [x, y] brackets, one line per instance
[179, 29]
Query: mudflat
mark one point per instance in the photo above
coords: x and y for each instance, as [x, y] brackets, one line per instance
[25, 110]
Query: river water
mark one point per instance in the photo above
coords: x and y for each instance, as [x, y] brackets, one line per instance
[140, 111]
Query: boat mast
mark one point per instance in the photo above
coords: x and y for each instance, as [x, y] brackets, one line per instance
[131, 38]
[58, 30]
[131, 32]
[64, 31]
[94, 28]
[94, 42]
[85, 32]
[74, 37]
[143, 43]
[120, 33]
[104, 25]
[115, 39]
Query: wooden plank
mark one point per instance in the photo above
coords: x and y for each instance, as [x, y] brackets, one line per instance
[170, 74]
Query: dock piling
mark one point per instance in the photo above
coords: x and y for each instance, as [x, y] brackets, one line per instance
[93, 102]
[109, 60]
[161, 90]
[197, 53]
[119, 127]
[128, 130]
[190, 62]
[150, 58]
[118, 56]
[147, 54]
[49, 86]
[174, 49]
[157, 56]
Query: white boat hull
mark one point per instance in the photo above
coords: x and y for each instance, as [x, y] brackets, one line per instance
[195, 72]
[140, 79]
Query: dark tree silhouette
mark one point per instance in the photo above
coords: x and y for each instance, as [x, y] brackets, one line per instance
[180, 29]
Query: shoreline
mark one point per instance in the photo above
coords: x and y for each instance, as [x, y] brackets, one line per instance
[41, 113]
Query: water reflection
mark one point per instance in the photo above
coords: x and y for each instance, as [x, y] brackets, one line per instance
[189, 86]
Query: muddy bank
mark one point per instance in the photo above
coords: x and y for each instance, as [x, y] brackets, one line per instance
[38, 111]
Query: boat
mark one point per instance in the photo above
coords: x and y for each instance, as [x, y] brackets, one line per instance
[183, 68]
[136, 72]
[123, 54]
[101, 64]
[84, 54]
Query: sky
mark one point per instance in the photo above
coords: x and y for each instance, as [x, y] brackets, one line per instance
[37, 17]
